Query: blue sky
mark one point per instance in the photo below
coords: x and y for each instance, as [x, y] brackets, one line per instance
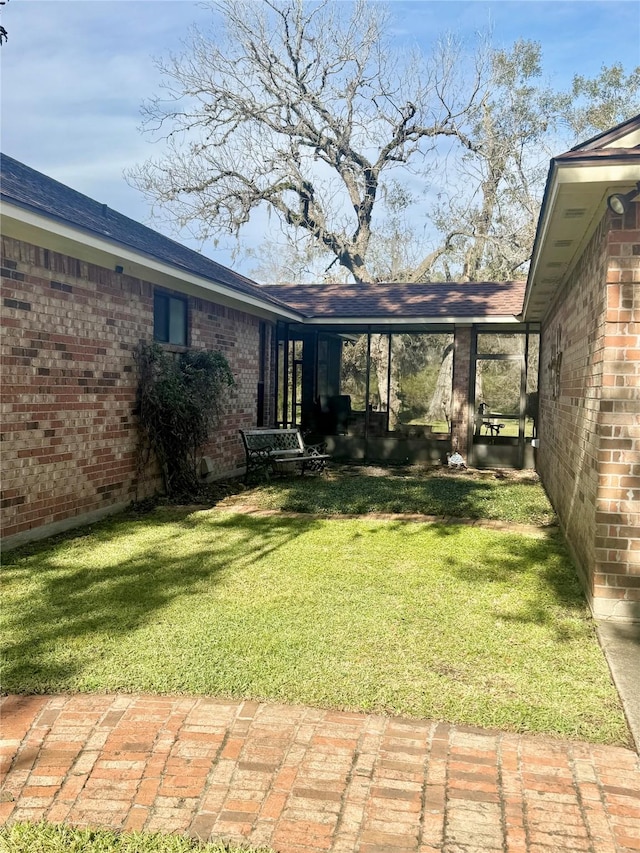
[75, 72]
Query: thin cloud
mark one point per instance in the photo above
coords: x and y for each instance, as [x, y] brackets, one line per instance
[74, 74]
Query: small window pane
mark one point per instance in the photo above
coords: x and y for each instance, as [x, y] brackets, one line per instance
[501, 343]
[160, 318]
[177, 321]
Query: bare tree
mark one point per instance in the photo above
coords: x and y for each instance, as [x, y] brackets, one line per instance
[494, 182]
[4, 35]
[304, 109]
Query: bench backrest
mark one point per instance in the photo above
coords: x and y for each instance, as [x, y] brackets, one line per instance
[274, 439]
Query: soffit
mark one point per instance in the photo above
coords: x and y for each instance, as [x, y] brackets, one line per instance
[574, 204]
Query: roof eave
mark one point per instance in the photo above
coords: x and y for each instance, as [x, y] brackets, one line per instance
[448, 320]
[30, 218]
[595, 177]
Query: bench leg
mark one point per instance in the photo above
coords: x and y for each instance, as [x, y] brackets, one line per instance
[257, 462]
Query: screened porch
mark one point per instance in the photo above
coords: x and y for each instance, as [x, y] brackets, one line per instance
[412, 393]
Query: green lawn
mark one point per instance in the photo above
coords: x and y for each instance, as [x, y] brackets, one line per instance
[451, 622]
[57, 838]
[355, 490]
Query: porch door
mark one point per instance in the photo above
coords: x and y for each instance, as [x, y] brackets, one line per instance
[289, 382]
[498, 400]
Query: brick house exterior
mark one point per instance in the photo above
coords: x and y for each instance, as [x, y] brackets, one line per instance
[75, 303]
[79, 283]
[584, 288]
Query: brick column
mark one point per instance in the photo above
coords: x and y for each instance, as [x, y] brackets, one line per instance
[460, 391]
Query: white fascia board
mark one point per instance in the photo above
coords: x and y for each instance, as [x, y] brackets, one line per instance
[411, 321]
[547, 211]
[603, 172]
[26, 225]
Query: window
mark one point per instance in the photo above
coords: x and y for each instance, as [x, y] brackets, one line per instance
[169, 318]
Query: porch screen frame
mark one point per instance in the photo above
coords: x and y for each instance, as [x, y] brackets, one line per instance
[526, 329]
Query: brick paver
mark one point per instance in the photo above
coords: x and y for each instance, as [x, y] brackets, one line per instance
[304, 780]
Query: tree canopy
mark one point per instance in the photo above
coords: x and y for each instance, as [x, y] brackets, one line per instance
[388, 164]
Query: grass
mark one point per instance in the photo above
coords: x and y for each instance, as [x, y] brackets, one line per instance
[441, 621]
[352, 490]
[57, 838]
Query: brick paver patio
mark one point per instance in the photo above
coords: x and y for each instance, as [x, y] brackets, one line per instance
[301, 779]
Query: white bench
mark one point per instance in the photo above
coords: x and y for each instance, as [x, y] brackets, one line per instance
[281, 450]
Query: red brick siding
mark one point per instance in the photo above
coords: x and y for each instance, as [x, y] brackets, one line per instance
[237, 336]
[69, 436]
[590, 432]
[617, 578]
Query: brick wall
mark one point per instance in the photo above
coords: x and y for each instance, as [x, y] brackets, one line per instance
[237, 335]
[617, 578]
[589, 427]
[69, 434]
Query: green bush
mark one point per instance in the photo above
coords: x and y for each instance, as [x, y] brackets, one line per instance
[180, 398]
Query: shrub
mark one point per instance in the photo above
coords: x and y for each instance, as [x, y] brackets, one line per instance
[180, 399]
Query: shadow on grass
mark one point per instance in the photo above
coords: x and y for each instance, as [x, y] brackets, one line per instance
[546, 560]
[453, 496]
[85, 592]
[67, 599]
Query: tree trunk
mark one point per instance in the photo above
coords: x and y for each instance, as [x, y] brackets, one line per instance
[440, 405]
[388, 391]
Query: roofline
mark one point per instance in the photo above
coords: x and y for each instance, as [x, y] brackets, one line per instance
[406, 320]
[611, 135]
[588, 169]
[61, 228]
[541, 227]
[602, 156]
[85, 229]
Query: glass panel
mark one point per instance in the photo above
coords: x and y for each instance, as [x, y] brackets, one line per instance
[531, 421]
[421, 384]
[322, 376]
[282, 382]
[501, 344]
[160, 317]
[291, 389]
[353, 386]
[379, 374]
[177, 321]
[354, 372]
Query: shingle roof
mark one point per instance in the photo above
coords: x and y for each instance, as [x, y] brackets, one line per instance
[436, 300]
[598, 154]
[39, 193]
[609, 137]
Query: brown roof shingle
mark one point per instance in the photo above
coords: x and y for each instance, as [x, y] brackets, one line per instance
[434, 300]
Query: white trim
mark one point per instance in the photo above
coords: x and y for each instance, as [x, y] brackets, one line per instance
[569, 172]
[548, 210]
[164, 273]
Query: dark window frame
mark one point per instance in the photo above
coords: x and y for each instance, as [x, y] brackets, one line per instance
[163, 335]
